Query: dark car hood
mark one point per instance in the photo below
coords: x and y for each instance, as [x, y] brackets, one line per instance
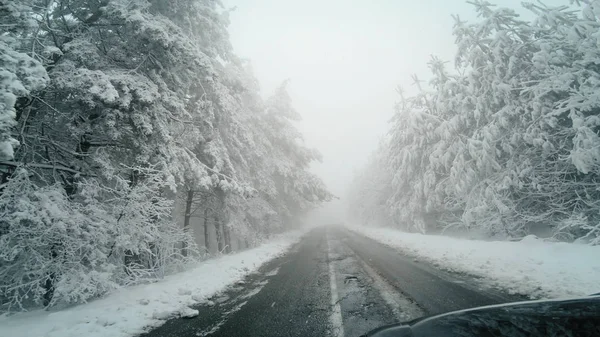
[572, 317]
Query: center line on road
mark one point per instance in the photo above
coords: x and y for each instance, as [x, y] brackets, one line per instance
[336, 311]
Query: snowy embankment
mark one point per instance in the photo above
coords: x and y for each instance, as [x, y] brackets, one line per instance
[531, 267]
[128, 311]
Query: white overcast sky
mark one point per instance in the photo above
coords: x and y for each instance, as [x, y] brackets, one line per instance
[344, 59]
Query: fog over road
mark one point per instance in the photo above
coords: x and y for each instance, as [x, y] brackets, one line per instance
[332, 283]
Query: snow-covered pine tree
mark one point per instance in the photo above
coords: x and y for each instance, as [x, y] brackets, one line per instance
[21, 71]
[371, 192]
[298, 190]
[110, 109]
[507, 143]
[111, 136]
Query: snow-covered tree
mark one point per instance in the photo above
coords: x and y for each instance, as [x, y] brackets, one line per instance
[297, 189]
[110, 112]
[21, 73]
[506, 143]
[370, 194]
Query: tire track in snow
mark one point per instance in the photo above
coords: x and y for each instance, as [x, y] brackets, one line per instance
[403, 308]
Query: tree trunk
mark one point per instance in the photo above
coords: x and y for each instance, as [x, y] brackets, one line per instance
[70, 189]
[219, 234]
[206, 236]
[49, 290]
[4, 177]
[49, 284]
[186, 219]
[131, 258]
[227, 236]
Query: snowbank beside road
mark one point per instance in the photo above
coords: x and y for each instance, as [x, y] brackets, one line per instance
[531, 267]
[128, 311]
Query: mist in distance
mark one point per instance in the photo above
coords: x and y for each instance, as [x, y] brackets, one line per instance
[345, 61]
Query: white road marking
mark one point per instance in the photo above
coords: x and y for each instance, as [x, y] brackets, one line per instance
[336, 311]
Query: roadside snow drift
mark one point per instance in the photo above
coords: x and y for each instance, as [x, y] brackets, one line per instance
[531, 267]
[128, 311]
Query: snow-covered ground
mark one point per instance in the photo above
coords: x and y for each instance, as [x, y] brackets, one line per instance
[530, 267]
[128, 311]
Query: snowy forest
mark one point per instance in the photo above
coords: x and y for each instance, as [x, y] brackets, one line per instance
[504, 141]
[124, 121]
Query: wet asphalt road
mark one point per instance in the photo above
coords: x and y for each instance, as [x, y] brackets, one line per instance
[332, 283]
